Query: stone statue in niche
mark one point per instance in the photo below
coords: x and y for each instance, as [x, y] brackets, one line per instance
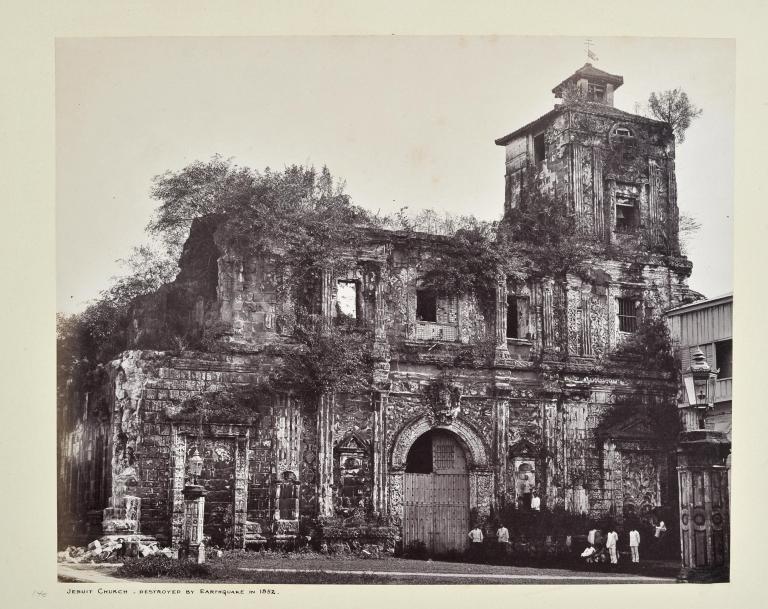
[444, 399]
[286, 500]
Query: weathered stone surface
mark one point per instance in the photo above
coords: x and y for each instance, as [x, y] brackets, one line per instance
[530, 405]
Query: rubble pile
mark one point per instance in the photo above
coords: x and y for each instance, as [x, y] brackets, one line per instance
[113, 550]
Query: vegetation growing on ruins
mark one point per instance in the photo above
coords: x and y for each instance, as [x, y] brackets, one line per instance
[221, 406]
[301, 214]
[538, 238]
[650, 346]
[329, 358]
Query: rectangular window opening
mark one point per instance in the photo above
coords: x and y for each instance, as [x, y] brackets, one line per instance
[724, 359]
[346, 299]
[426, 305]
[539, 148]
[596, 92]
[627, 315]
[512, 329]
[626, 214]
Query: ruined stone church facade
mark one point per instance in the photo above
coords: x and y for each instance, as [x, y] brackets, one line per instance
[443, 438]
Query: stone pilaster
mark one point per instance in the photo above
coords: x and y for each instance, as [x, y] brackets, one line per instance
[585, 325]
[325, 454]
[502, 352]
[500, 430]
[241, 491]
[597, 192]
[326, 296]
[547, 314]
[381, 353]
[380, 402]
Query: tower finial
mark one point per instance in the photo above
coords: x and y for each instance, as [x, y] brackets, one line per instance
[588, 46]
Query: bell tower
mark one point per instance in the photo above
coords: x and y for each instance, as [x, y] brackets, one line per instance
[590, 84]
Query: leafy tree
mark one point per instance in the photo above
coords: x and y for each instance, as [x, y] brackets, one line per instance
[300, 213]
[674, 108]
[688, 227]
[98, 333]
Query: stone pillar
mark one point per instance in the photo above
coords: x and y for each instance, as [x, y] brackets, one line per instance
[194, 510]
[704, 505]
[378, 447]
[502, 352]
[325, 454]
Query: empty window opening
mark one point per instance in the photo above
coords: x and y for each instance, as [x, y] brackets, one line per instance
[627, 315]
[426, 305]
[626, 214]
[512, 330]
[346, 299]
[623, 132]
[724, 359]
[539, 148]
[596, 92]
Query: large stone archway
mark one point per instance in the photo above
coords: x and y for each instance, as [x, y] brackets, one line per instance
[473, 445]
[480, 475]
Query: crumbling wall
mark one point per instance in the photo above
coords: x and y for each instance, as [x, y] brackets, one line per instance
[176, 316]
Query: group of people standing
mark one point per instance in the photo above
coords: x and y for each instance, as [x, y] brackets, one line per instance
[604, 548]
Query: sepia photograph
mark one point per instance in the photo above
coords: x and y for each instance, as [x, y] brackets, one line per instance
[394, 309]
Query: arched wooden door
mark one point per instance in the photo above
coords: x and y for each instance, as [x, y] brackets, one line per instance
[436, 493]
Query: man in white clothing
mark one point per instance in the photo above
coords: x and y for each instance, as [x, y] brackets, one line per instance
[476, 544]
[535, 502]
[502, 540]
[610, 543]
[634, 543]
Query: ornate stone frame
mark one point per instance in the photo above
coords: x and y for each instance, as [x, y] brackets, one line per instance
[241, 436]
[478, 463]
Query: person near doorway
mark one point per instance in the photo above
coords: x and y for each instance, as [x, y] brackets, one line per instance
[475, 544]
[634, 544]
[526, 486]
[536, 502]
[611, 541]
[659, 533]
[502, 541]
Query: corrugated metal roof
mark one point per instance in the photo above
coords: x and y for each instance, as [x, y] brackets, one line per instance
[701, 304]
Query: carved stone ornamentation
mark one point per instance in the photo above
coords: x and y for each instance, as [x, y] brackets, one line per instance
[444, 399]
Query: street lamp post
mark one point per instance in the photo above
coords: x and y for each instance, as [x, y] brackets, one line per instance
[703, 480]
[194, 510]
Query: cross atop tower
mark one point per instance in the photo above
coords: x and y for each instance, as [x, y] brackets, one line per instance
[588, 46]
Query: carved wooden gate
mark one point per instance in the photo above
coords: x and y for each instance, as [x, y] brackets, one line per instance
[436, 505]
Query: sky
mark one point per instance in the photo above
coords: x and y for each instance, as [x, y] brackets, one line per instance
[405, 121]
